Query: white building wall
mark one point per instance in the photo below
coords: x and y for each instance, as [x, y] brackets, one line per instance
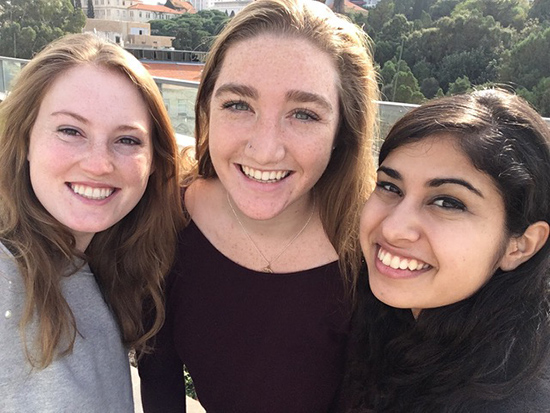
[229, 7]
[119, 10]
[201, 4]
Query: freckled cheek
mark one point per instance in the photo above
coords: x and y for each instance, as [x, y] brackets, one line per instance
[137, 169]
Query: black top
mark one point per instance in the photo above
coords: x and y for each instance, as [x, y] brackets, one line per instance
[253, 342]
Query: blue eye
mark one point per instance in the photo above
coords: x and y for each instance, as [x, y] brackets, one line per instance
[388, 187]
[69, 131]
[304, 114]
[127, 140]
[238, 105]
[449, 203]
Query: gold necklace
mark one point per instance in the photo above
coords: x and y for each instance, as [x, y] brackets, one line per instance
[268, 268]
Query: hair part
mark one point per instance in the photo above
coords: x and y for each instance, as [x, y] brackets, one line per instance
[128, 259]
[349, 176]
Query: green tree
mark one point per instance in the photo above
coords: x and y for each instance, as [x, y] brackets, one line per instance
[430, 87]
[540, 10]
[380, 14]
[387, 73]
[506, 12]
[404, 86]
[191, 31]
[529, 60]
[26, 27]
[461, 85]
[442, 8]
[542, 97]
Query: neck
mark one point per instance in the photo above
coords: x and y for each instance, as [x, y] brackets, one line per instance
[284, 224]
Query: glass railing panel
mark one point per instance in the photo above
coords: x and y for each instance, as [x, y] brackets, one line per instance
[179, 98]
[9, 68]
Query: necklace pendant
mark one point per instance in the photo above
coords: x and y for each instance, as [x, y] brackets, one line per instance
[268, 269]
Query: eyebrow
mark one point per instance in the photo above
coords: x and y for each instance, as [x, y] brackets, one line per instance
[238, 89]
[71, 114]
[292, 95]
[308, 97]
[434, 183]
[87, 122]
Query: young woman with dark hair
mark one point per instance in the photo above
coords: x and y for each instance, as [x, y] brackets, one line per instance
[455, 317]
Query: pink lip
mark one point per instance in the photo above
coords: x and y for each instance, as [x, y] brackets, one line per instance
[393, 273]
[261, 186]
[89, 201]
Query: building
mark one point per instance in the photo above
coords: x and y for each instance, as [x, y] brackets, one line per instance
[182, 5]
[128, 34]
[145, 12]
[136, 10]
[229, 7]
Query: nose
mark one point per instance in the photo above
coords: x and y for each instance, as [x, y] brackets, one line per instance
[402, 224]
[265, 144]
[98, 159]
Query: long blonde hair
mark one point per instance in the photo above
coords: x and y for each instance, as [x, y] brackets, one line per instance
[349, 176]
[128, 259]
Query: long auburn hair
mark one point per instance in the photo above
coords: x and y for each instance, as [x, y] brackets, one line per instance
[128, 259]
[466, 356]
[349, 176]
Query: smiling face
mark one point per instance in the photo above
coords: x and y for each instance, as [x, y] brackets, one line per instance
[433, 231]
[273, 118]
[90, 150]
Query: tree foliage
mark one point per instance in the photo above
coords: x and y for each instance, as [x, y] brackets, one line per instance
[191, 31]
[428, 48]
[27, 26]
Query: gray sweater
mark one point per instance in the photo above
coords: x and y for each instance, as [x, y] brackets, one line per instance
[95, 377]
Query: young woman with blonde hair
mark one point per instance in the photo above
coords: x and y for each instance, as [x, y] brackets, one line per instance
[258, 301]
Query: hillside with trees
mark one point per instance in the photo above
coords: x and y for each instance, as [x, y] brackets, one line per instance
[27, 26]
[191, 31]
[427, 48]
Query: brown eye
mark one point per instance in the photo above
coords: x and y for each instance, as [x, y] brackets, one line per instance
[449, 203]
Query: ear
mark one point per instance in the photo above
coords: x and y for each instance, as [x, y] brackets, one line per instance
[520, 249]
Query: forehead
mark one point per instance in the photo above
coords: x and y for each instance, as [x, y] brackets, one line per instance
[280, 63]
[86, 84]
[434, 155]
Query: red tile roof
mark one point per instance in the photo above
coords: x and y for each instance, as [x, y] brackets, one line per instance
[353, 7]
[182, 71]
[185, 5]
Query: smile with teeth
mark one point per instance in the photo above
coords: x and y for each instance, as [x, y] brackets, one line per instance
[264, 176]
[90, 192]
[396, 262]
